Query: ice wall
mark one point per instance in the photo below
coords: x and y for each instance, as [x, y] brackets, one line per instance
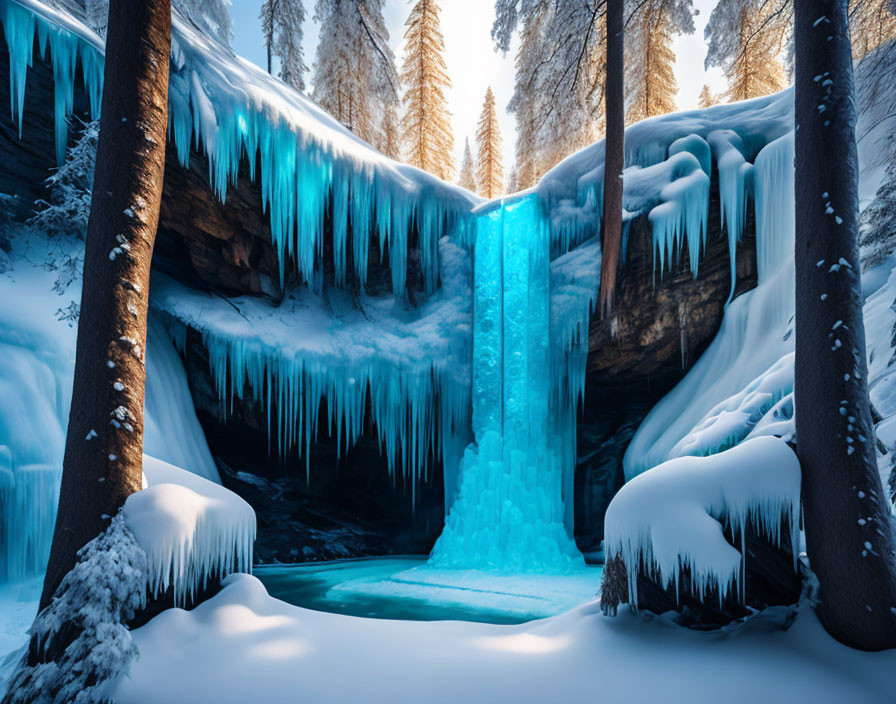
[309, 167]
[515, 481]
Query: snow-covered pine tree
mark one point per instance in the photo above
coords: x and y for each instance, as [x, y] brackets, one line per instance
[355, 78]
[391, 142]
[211, 17]
[426, 126]
[281, 26]
[650, 84]
[558, 94]
[871, 23]
[489, 170]
[746, 39]
[467, 177]
[513, 181]
[707, 98]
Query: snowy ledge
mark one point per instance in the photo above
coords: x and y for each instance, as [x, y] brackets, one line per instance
[668, 519]
[229, 109]
[192, 530]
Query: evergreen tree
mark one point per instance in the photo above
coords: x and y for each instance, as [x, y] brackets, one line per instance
[467, 177]
[746, 39]
[849, 527]
[281, 25]
[391, 143]
[707, 98]
[426, 127]
[558, 94]
[871, 23]
[103, 459]
[650, 84]
[354, 75]
[489, 170]
[614, 157]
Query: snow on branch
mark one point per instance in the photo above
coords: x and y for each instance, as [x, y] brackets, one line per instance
[669, 520]
[191, 529]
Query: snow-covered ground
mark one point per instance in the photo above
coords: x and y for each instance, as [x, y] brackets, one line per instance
[242, 645]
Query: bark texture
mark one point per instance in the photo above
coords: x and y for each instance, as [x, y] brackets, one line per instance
[614, 157]
[104, 447]
[849, 534]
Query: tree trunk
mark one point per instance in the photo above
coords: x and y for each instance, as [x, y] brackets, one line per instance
[104, 446]
[848, 530]
[614, 145]
[268, 44]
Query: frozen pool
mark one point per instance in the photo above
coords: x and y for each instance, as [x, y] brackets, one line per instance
[406, 588]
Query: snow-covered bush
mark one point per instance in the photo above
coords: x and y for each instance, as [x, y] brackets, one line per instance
[80, 642]
[68, 208]
[668, 521]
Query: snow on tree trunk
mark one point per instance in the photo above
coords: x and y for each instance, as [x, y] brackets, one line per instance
[849, 533]
[104, 445]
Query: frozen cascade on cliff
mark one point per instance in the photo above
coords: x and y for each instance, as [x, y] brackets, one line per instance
[37, 355]
[754, 335]
[511, 510]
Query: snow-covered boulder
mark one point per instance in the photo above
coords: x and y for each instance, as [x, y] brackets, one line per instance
[687, 535]
[192, 530]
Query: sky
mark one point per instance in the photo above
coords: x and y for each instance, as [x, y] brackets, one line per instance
[473, 64]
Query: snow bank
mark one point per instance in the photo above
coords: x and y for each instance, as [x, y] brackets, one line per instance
[242, 645]
[192, 530]
[669, 519]
[306, 162]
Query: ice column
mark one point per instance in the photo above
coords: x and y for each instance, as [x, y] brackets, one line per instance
[509, 515]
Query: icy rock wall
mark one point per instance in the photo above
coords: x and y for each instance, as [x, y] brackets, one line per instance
[696, 416]
[511, 512]
[308, 165]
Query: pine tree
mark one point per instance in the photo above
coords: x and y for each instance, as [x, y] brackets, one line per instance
[426, 127]
[104, 445]
[281, 25]
[467, 177]
[558, 94]
[746, 38]
[650, 84]
[391, 143]
[707, 98]
[871, 23]
[489, 171]
[354, 75]
[849, 527]
[614, 157]
[513, 181]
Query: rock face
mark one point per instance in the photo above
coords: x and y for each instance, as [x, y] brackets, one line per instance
[660, 326]
[350, 507]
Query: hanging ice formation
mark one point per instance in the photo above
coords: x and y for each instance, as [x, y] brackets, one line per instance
[307, 164]
[512, 511]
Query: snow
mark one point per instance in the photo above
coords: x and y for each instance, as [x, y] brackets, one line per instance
[243, 645]
[192, 530]
[668, 519]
